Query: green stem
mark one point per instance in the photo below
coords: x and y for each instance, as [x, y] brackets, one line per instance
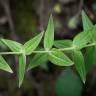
[9, 53]
[89, 45]
[62, 49]
[66, 49]
[41, 51]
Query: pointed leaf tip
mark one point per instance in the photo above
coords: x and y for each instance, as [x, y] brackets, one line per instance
[12, 45]
[49, 34]
[22, 66]
[80, 64]
[87, 24]
[32, 44]
[4, 66]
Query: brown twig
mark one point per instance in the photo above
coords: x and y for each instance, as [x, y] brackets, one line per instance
[5, 5]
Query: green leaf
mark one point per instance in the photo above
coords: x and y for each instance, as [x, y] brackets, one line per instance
[22, 66]
[4, 66]
[94, 33]
[49, 35]
[68, 83]
[12, 45]
[91, 51]
[37, 60]
[59, 58]
[80, 64]
[82, 39]
[2, 45]
[90, 57]
[87, 24]
[32, 44]
[62, 43]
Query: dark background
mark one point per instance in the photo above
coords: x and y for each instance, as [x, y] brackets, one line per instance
[21, 20]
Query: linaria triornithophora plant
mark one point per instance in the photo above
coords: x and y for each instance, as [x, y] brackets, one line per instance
[82, 62]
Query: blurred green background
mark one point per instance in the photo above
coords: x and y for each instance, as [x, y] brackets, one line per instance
[21, 20]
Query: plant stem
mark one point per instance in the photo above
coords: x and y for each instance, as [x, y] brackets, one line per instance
[41, 51]
[9, 53]
[89, 45]
[66, 49]
[62, 49]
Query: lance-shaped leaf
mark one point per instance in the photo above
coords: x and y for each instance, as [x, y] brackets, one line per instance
[4, 66]
[90, 57]
[32, 44]
[37, 60]
[59, 58]
[62, 43]
[22, 66]
[12, 45]
[49, 35]
[94, 33]
[87, 24]
[82, 39]
[91, 51]
[79, 64]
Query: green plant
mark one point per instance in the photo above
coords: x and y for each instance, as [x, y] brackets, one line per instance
[55, 50]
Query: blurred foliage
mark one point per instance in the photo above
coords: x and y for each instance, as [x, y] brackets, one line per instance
[68, 84]
[26, 19]
[73, 22]
[57, 8]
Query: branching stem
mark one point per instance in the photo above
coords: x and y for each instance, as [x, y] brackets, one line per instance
[62, 49]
